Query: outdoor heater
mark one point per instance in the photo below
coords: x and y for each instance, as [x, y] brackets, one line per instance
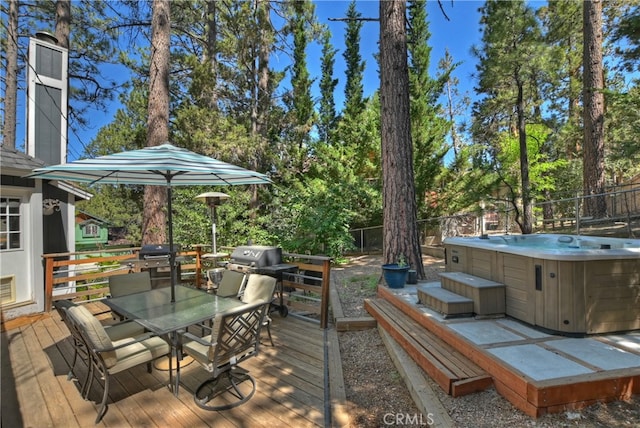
[212, 199]
[214, 276]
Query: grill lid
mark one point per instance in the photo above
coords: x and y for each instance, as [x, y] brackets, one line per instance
[256, 255]
[155, 251]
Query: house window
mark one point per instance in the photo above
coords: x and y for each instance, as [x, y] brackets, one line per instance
[91, 231]
[10, 233]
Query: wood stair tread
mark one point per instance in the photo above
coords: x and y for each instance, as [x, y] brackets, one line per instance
[454, 372]
[444, 295]
[470, 280]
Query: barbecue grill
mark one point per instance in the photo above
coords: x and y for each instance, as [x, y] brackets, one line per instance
[263, 260]
[155, 251]
[155, 259]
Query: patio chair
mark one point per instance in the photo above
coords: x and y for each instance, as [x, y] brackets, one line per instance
[115, 332]
[79, 347]
[231, 283]
[129, 283]
[260, 288]
[234, 338]
[109, 356]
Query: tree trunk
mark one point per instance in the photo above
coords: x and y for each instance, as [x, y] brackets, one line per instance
[212, 51]
[155, 197]
[593, 156]
[263, 97]
[11, 95]
[400, 233]
[63, 22]
[525, 183]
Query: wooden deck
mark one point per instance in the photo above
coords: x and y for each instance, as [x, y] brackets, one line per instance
[291, 384]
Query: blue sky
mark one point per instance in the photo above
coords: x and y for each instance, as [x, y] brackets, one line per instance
[458, 35]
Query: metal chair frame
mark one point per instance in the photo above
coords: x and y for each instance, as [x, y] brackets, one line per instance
[97, 352]
[260, 288]
[234, 338]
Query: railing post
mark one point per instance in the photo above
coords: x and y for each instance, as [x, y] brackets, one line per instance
[326, 283]
[198, 265]
[48, 283]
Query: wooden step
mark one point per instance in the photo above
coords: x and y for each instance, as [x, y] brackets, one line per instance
[444, 301]
[355, 323]
[488, 296]
[450, 369]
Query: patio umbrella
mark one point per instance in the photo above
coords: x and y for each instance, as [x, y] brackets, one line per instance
[163, 165]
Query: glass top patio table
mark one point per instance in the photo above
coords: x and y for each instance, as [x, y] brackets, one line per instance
[153, 309]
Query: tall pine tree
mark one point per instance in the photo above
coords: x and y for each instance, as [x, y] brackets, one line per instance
[508, 65]
[428, 127]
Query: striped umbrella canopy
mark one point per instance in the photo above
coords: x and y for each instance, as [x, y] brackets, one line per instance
[163, 165]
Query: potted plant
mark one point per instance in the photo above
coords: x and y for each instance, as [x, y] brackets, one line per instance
[395, 274]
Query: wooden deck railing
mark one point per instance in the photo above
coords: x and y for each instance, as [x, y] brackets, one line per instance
[84, 276]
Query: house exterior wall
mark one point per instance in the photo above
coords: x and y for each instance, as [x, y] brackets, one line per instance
[26, 264]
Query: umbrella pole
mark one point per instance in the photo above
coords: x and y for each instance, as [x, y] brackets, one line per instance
[172, 253]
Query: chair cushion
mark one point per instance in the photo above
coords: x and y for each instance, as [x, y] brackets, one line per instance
[199, 352]
[230, 283]
[66, 304]
[138, 353]
[129, 283]
[259, 288]
[94, 332]
[124, 329]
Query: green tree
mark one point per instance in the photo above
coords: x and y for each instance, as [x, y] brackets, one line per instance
[508, 77]
[300, 80]
[428, 127]
[400, 233]
[542, 168]
[354, 65]
[562, 21]
[593, 173]
[11, 77]
[629, 32]
[352, 127]
[327, 110]
[155, 197]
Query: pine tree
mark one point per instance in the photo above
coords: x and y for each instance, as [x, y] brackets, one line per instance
[327, 109]
[354, 89]
[593, 157]
[509, 63]
[11, 77]
[155, 197]
[400, 232]
[300, 79]
[428, 128]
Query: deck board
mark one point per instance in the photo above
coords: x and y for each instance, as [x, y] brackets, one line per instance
[290, 383]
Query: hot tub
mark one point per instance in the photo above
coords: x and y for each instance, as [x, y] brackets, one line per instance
[564, 283]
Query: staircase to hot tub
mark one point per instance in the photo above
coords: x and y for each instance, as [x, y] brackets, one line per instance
[535, 371]
[460, 294]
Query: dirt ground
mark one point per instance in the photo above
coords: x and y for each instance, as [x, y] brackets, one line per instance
[378, 394]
